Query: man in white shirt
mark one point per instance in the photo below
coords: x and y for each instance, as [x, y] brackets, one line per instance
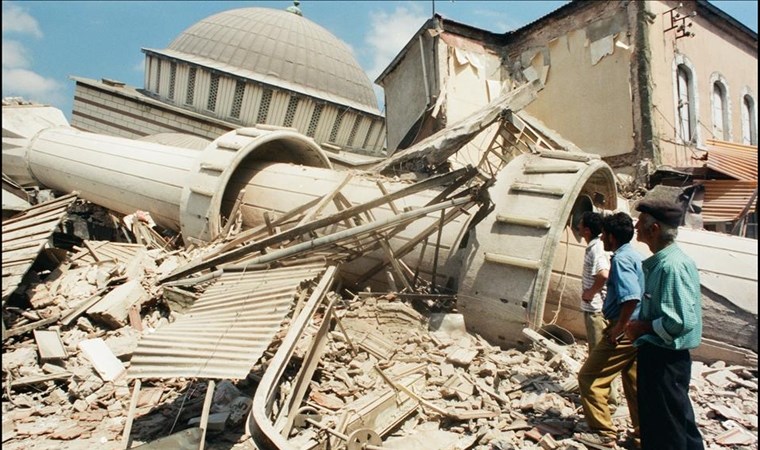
[596, 269]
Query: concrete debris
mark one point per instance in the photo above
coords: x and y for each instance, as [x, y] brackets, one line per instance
[510, 399]
[398, 367]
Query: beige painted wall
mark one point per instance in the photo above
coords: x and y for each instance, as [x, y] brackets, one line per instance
[404, 88]
[586, 100]
[473, 80]
[710, 51]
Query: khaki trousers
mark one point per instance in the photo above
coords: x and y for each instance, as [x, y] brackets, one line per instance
[595, 325]
[604, 363]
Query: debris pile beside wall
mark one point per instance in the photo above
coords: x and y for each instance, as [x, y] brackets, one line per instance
[422, 381]
[402, 374]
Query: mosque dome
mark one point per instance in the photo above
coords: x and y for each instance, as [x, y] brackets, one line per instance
[279, 48]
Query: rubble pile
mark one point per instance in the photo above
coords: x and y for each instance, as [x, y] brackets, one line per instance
[388, 374]
[452, 389]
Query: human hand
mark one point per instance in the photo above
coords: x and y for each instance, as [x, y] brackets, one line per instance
[587, 296]
[614, 335]
[636, 328]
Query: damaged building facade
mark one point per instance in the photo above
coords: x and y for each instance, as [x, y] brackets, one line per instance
[648, 86]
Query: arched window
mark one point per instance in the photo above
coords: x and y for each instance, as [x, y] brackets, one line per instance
[687, 116]
[749, 121]
[721, 122]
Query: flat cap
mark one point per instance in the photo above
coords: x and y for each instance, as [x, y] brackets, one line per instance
[666, 211]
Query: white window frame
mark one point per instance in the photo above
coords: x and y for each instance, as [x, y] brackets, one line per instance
[749, 117]
[721, 125]
[691, 105]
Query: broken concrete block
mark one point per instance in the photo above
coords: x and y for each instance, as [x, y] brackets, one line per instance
[720, 378]
[239, 409]
[113, 308]
[461, 356]
[20, 357]
[102, 358]
[735, 435]
[450, 325]
[327, 400]
[547, 442]
[216, 421]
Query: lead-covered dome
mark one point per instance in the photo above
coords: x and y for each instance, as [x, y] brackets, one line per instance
[278, 48]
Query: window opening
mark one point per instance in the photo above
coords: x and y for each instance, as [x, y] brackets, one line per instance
[686, 113]
[190, 97]
[369, 134]
[749, 121]
[336, 125]
[172, 79]
[315, 115]
[237, 101]
[266, 99]
[354, 129]
[290, 114]
[213, 90]
[158, 76]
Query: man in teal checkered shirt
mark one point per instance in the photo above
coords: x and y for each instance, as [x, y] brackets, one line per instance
[669, 324]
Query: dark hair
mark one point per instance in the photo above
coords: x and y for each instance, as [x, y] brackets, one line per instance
[592, 221]
[619, 225]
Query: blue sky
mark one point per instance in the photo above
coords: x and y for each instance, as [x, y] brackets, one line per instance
[46, 42]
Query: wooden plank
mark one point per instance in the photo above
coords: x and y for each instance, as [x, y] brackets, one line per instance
[32, 326]
[72, 314]
[125, 439]
[238, 253]
[20, 244]
[34, 379]
[205, 412]
[382, 188]
[412, 243]
[59, 203]
[395, 264]
[233, 213]
[33, 230]
[324, 201]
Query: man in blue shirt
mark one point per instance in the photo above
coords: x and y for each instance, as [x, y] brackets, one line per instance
[669, 324]
[615, 354]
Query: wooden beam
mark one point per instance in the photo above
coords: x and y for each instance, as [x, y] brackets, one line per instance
[125, 438]
[247, 249]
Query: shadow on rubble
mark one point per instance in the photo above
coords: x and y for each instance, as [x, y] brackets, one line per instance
[175, 424]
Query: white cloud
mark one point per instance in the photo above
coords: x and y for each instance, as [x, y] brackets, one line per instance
[390, 32]
[19, 77]
[14, 55]
[140, 66]
[30, 85]
[16, 20]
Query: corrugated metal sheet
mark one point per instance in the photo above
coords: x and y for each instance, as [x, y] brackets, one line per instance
[725, 199]
[24, 237]
[105, 250]
[227, 329]
[735, 160]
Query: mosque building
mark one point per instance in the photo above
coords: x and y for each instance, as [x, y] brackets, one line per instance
[240, 68]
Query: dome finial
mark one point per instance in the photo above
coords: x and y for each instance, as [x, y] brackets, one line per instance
[295, 9]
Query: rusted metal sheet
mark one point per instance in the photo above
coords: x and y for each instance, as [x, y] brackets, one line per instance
[25, 235]
[226, 331]
[725, 199]
[735, 160]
